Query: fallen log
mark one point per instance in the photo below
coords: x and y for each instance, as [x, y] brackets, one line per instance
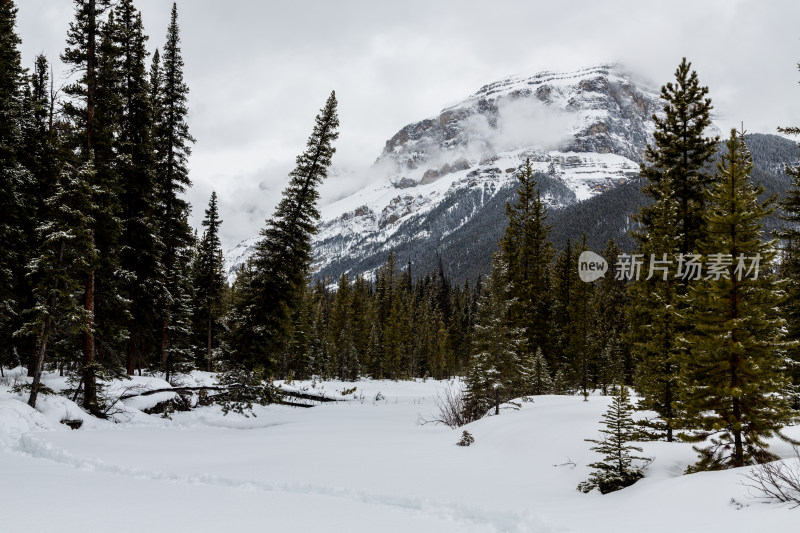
[291, 394]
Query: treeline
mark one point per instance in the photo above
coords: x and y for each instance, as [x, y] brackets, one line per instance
[102, 274]
[713, 353]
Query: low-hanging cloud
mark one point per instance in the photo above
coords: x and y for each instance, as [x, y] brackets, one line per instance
[528, 123]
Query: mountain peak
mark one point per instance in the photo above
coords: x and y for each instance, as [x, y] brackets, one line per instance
[440, 185]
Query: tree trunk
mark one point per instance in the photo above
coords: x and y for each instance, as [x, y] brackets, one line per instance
[89, 386]
[164, 348]
[130, 358]
[37, 371]
[738, 448]
[44, 334]
[208, 349]
[90, 391]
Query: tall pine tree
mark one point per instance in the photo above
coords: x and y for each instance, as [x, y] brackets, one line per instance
[676, 173]
[139, 242]
[495, 366]
[173, 148]
[13, 178]
[82, 55]
[283, 255]
[66, 253]
[790, 268]
[529, 254]
[209, 284]
[733, 378]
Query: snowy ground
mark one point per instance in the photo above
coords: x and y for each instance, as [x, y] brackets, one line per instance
[355, 466]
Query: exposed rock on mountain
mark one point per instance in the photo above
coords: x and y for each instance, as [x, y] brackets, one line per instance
[440, 185]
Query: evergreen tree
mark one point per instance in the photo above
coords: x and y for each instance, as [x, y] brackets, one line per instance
[13, 179]
[82, 54]
[677, 178]
[181, 350]
[363, 319]
[38, 154]
[581, 312]
[439, 349]
[209, 284]
[790, 269]
[653, 324]
[535, 378]
[610, 304]
[681, 153]
[617, 469]
[301, 349]
[173, 147]
[65, 254]
[529, 254]
[40, 148]
[564, 273]
[611, 366]
[341, 331]
[495, 365]
[733, 378]
[283, 255]
[139, 242]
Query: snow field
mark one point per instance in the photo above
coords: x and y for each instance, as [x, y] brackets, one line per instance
[351, 466]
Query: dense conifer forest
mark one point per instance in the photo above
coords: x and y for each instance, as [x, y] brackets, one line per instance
[102, 276]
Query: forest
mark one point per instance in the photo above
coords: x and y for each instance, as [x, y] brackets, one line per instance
[102, 276]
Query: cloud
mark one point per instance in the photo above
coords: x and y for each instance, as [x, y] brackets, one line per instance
[260, 71]
[527, 122]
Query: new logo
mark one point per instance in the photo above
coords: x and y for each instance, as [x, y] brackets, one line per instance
[591, 266]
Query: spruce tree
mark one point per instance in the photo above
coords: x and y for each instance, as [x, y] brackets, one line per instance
[341, 332]
[677, 178]
[181, 350]
[790, 268]
[733, 379]
[535, 378]
[39, 154]
[681, 153]
[654, 323]
[363, 318]
[13, 179]
[139, 242]
[564, 273]
[301, 349]
[529, 254]
[82, 55]
[495, 364]
[581, 334]
[66, 253]
[173, 148]
[617, 470]
[209, 284]
[283, 255]
[610, 304]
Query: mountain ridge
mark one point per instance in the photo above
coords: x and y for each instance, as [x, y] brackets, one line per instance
[440, 185]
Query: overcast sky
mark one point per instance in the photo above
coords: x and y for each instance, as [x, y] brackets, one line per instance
[260, 70]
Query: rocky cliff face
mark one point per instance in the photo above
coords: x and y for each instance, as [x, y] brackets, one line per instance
[440, 185]
[597, 110]
[585, 132]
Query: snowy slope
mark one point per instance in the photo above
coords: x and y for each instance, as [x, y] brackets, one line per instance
[356, 466]
[585, 131]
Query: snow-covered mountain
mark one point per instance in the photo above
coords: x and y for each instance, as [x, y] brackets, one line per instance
[440, 185]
